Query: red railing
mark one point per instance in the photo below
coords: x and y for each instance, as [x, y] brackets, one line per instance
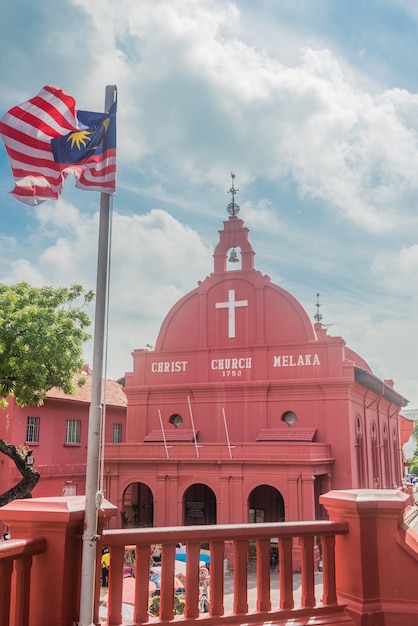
[302, 538]
[371, 580]
[15, 577]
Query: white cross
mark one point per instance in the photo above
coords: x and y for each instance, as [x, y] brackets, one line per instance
[231, 305]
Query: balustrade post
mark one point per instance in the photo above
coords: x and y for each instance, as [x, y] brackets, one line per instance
[216, 578]
[6, 569]
[168, 553]
[240, 577]
[263, 574]
[374, 564]
[192, 581]
[307, 571]
[55, 574]
[286, 568]
[23, 572]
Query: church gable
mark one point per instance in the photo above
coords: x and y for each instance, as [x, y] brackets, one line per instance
[232, 309]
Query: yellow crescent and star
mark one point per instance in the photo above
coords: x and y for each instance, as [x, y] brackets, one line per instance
[81, 138]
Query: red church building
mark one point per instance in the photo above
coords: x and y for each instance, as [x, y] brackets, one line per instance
[246, 410]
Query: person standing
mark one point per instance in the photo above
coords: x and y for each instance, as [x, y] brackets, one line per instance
[105, 567]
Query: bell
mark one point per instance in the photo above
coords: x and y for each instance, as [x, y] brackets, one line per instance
[233, 257]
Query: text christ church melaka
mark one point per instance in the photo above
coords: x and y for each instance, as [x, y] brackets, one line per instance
[245, 410]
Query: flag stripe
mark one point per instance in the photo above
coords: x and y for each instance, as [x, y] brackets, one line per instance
[61, 109]
[39, 166]
[35, 195]
[27, 181]
[43, 179]
[25, 133]
[40, 150]
[45, 125]
[96, 161]
[41, 159]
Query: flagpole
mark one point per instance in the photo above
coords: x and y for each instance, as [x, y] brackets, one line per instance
[93, 496]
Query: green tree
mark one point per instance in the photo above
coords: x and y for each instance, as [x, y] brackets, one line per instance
[413, 468]
[42, 331]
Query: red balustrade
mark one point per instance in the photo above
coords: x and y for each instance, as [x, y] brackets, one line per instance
[305, 535]
[15, 568]
[369, 566]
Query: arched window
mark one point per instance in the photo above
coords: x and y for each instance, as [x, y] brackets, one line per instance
[396, 458]
[375, 456]
[176, 420]
[360, 452]
[387, 483]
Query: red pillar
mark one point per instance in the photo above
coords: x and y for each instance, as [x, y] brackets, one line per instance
[377, 561]
[55, 574]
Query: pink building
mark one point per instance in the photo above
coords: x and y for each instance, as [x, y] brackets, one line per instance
[57, 435]
[246, 410]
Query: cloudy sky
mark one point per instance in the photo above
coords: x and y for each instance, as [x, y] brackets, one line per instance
[312, 103]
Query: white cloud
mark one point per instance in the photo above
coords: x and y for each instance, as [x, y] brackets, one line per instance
[22, 271]
[154, 260]
[188, 84]
[398, 270]
[262, 216]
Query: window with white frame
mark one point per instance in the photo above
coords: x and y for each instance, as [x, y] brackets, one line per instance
[72, 431]
[69, 490]
[117, 433]
[32, 429]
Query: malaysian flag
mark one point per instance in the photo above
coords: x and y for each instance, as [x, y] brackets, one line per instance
[46, 139]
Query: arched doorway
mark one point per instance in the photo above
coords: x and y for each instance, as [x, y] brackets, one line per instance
[265, 504]
[199, 505]
[137, 506]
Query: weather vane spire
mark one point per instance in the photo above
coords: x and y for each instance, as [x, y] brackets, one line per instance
[317, 316]
[233, 207]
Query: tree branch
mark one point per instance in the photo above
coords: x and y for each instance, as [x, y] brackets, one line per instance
[30, 476]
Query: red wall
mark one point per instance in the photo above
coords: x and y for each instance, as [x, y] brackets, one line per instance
[61, 465]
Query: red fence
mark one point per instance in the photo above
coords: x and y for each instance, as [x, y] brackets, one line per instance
[302, 537]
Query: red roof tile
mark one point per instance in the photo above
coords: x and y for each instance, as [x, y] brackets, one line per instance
[114, 394]
[181, 434]
[286, 434]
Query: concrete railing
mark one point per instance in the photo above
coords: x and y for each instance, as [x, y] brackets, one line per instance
[54, 594]
[377, 561]
[369, 562]
[15, 567]
[235, 540]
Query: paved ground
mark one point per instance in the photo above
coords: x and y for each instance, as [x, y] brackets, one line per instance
[274, 589]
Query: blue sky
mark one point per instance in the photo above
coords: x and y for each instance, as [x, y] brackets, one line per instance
[312, 103]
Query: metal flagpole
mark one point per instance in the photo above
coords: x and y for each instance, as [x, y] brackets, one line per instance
[93, 496]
